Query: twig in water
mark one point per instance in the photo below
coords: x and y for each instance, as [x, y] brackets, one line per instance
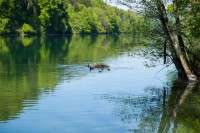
[163, 68]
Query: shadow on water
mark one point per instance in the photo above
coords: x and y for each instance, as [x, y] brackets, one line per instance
[173, 108]
[31, 65]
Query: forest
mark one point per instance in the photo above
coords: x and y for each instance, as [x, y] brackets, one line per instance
[65, 17]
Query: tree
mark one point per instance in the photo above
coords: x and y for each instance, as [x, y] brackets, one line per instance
[173, 33]
[176, 44]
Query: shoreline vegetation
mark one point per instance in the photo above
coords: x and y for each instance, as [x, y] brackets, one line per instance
[42, 17]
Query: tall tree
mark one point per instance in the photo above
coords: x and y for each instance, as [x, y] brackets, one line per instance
[172, 32]
[177, 45]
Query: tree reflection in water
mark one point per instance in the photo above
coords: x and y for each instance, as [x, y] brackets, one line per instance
[160, 110]
[35, 65]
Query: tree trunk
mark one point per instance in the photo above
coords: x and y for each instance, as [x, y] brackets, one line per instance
[178, 25]
[176, 46]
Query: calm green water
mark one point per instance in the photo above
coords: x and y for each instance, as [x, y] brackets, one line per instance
[46, 87]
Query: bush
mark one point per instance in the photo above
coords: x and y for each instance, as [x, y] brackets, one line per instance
[27, 29]
[3, 24]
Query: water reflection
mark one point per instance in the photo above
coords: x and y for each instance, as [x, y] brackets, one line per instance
[31, 65]
[24, 72]
[162, 110]
[31, 68]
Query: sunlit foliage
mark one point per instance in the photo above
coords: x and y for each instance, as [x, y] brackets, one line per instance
[63, 16]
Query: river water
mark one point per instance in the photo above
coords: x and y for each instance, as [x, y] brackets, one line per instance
[46, 87]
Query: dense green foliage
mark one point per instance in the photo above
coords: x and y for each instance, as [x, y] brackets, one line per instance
[64, 16]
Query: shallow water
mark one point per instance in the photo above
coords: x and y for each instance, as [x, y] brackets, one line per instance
[46, 86]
